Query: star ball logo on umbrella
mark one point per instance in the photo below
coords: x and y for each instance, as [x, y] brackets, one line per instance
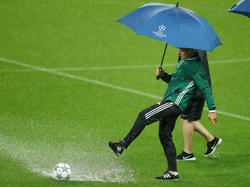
[160, 33]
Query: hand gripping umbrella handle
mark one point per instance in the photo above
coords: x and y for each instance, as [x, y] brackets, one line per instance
[158, 77]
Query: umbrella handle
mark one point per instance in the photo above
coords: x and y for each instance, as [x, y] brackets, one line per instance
[158, 77]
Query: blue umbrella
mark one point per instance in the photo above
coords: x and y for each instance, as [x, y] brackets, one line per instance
[242, 7]
[172, 24]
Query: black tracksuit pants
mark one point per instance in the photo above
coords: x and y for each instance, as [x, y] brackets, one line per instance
[166, 112]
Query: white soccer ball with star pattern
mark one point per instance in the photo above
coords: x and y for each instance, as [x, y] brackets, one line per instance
[62, 171]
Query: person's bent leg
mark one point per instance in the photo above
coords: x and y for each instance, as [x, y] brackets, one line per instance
[136, 129]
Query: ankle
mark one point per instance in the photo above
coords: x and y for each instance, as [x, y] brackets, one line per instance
[173, 172]
[188, 151]
[210, 139]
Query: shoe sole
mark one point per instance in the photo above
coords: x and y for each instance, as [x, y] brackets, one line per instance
[189, 159]
[167, 179]
[217, 145]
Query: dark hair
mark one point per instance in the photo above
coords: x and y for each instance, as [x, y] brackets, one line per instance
[188, 52]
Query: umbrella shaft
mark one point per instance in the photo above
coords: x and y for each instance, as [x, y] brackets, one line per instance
[164, 54]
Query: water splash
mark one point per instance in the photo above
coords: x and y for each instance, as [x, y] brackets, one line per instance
[101, 165]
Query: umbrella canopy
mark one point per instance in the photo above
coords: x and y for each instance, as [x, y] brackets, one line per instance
[174, 25]
[242, 7]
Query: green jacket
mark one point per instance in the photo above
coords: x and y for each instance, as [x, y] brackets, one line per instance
[189, 74]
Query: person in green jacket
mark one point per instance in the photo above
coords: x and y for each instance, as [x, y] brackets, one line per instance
[189, 75]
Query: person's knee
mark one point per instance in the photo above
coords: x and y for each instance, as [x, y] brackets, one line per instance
[196, 125]
[141, 120]
[141, 116]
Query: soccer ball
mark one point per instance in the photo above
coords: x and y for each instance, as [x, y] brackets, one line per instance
[62, 171]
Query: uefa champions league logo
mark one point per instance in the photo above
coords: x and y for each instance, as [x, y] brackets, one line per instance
[160, 31]
[162, 28]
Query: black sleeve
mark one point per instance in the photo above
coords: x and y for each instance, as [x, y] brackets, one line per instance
[203, 56]
[166, 77]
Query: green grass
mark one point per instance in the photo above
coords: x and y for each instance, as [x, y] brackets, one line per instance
[47, 118]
